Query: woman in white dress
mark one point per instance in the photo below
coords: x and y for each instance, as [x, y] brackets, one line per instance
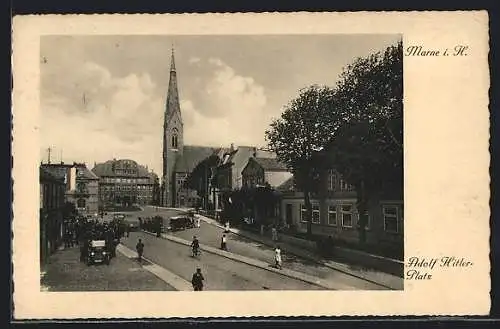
[277, 257]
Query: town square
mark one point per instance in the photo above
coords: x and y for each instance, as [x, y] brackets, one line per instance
[221, 163]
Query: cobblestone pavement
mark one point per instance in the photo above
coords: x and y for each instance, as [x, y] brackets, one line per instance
[221, 273]
[65, 272]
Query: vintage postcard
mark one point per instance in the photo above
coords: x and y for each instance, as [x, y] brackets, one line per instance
[240, 165]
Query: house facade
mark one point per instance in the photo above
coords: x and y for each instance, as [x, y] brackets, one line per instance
[81, 185]
[123, 182]
[335, 213]
[52, 199]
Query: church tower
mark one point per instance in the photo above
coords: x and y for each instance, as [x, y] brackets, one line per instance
[173, 133]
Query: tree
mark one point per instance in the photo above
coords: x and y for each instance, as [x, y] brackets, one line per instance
[367, 147]
[299, 135]
[203, 176]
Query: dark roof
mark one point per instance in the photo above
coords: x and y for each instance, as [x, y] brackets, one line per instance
[191, 156]
[271, 164]
[287, 185]
[106, 168]
[46, 176]
[57, 171]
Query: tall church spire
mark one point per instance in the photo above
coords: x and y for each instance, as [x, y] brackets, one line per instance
[172, 61]
[172, 105]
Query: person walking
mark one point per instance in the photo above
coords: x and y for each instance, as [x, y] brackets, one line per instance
[140, 249]
[198, 221]
[223, 243]
[274, 232]
[226, 227]
[277, 257]
[197, 280]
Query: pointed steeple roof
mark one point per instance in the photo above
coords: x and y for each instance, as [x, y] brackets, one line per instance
[172, 104]
[172, 61]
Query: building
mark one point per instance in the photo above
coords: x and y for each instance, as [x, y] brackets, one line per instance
[52, 194]
[335, 214]
[82, 186]
[123, 183]
[260, 171]
[179, 160]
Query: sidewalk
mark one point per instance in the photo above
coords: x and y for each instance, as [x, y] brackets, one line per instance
[377, 277]
[65, 272]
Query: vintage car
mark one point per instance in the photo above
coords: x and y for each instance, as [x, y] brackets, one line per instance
[181, 222]
[98, 252]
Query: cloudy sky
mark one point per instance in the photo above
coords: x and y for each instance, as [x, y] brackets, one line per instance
[103, 97]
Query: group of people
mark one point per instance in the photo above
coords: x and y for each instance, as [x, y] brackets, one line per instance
[89, 230]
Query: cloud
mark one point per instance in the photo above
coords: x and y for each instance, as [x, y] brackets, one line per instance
[230, 108]
[92, 115]
[194, 60]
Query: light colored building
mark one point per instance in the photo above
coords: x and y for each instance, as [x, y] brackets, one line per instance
[123, 183]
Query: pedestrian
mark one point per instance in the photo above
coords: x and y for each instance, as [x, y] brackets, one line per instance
[274, 232]
[226, 230]
[198, 221]
[197, 280]
[223, 243]
[277, 257]
[140, 249]
[128, 230]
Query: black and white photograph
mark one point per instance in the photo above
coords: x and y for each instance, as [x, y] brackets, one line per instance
[221, 162]
[250, 165]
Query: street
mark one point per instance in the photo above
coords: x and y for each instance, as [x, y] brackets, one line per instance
[220, 273]
[168, 264]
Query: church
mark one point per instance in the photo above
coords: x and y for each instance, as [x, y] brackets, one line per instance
[179, 159]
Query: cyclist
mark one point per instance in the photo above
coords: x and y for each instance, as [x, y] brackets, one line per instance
[195, 245]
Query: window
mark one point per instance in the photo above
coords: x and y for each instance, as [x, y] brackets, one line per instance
[331, 181]
[390, 214]
[315, 214]
[174, 141]
[346, 215]
[332, 215]
[81, 203]
[303, 211]
[344, 186]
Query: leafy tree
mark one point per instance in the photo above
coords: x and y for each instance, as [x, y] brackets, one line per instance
[367, 147]
[299, 134]
[203, 175]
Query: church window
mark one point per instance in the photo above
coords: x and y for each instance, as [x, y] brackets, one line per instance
[174, 141]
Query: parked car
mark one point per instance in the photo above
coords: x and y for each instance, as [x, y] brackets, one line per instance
[98, 253]
[181, 222]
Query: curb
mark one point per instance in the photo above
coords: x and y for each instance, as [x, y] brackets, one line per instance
[329, 265]
[173, 280]
[326, 264]
[259, 264]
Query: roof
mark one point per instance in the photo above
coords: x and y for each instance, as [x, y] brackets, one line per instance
[271, 164]
[240, 158]
[287, 185]
[45, 176]
[106, 168]
[87, 173]
[56, 171]
[191, 156]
